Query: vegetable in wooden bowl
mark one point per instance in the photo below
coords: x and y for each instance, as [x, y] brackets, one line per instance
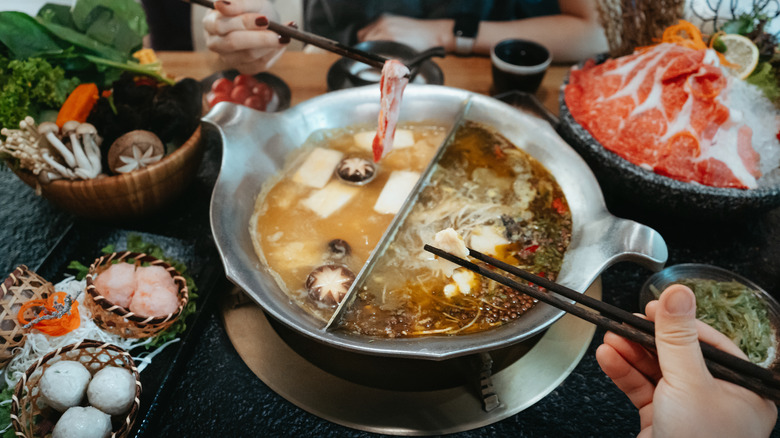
[126, 196]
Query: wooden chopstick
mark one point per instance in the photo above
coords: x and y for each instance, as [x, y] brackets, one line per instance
[330, 45]
[725, 366]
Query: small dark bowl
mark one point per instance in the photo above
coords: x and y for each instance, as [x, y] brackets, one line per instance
[674, 274]
[281, 97]
[653, 197]
[363, 74]
[359, 74]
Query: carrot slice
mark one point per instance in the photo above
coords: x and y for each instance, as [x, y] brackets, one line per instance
[55, 326]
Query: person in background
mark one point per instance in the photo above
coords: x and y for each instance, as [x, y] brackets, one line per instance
[674, 392]
[237, 29]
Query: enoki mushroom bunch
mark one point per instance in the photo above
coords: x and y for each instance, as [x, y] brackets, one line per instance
[51, 153]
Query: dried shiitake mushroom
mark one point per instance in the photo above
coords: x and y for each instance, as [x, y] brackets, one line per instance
[329, 283]
[135, 150]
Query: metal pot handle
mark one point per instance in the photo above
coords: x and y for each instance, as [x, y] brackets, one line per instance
[609, 240]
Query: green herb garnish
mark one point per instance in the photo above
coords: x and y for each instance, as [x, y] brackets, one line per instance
[5, 412]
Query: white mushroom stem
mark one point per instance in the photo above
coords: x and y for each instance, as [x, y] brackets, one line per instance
[82, 162]
[59, 168]
[48, 129]
[88, 135]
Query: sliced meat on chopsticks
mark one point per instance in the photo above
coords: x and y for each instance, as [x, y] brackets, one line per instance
[395, 76]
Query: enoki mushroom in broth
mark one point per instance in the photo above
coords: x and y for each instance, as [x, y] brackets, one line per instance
[504, 203]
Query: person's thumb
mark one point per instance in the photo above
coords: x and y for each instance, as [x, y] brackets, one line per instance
[676, 337]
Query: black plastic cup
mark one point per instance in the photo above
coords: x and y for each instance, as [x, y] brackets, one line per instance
[518, 65]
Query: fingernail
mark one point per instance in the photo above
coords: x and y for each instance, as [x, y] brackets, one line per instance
[293, 24]
[680, 302]
[284, 39]
[261, 21]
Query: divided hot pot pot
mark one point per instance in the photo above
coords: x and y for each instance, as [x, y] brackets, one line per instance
[255, 147]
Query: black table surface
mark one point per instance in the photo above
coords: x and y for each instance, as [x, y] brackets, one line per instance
[216, 394]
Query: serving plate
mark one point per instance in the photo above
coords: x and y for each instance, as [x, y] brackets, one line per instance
[255, 148]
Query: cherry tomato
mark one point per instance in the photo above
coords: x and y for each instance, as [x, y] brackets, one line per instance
[255, 102]
[247, 80]
[264, 91]
[214, 98]
[239, 93]
[222, 85]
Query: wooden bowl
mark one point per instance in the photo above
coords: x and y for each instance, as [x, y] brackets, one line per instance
[127, 196]
[119, 320]
[29, 418]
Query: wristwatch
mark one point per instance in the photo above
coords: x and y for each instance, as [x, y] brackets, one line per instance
[465, 31]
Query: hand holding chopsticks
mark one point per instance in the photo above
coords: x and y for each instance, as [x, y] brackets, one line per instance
[721, 364]
[371, 59]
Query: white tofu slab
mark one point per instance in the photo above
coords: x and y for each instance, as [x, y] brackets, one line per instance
[403, 139]
[395, 191]
[330, 198]
[318, 167]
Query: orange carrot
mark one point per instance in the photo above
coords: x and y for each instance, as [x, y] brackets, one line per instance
[78, 104]
[56, 326]
[686, 34]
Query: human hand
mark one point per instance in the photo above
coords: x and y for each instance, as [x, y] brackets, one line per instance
[675, 393]
[237, 31]
[418, 34]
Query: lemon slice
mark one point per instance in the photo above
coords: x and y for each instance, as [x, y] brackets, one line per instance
[741, 52]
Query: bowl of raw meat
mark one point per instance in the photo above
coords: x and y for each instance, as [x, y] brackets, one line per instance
[671, 133]
[134, 295]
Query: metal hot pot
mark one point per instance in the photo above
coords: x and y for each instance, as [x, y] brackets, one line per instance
[256, 145]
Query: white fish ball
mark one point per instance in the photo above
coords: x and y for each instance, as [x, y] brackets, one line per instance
[112, 390]
[63, 384]
[82, 422]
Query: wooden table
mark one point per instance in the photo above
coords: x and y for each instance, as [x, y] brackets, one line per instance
[215, 394]
[306, 73]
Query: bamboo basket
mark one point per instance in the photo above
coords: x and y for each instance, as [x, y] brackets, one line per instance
[120, 321]
[31, 418]
[21, 285]
[127, 196]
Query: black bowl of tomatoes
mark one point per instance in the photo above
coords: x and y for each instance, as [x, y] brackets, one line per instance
[262, 92]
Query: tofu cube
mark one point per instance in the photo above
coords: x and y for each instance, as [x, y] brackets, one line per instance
[330, 198]
[403, 139]
[318, 167]
[395, 191]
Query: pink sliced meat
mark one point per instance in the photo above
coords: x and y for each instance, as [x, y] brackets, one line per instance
[395, 77]
[664, 108]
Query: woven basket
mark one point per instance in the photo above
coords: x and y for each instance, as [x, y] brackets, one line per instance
[130, 195]
[21, 285]
[94, 355]
[120, 321]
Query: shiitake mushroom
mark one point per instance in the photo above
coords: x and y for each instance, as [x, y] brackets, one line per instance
[329, 284]
[356, 170]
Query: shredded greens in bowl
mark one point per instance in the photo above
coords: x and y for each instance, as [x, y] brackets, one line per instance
[737, 311]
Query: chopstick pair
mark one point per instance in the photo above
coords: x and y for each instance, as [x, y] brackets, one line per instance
[371, 59]
[722, 365]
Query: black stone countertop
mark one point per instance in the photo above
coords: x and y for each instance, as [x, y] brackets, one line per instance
[217, 394]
